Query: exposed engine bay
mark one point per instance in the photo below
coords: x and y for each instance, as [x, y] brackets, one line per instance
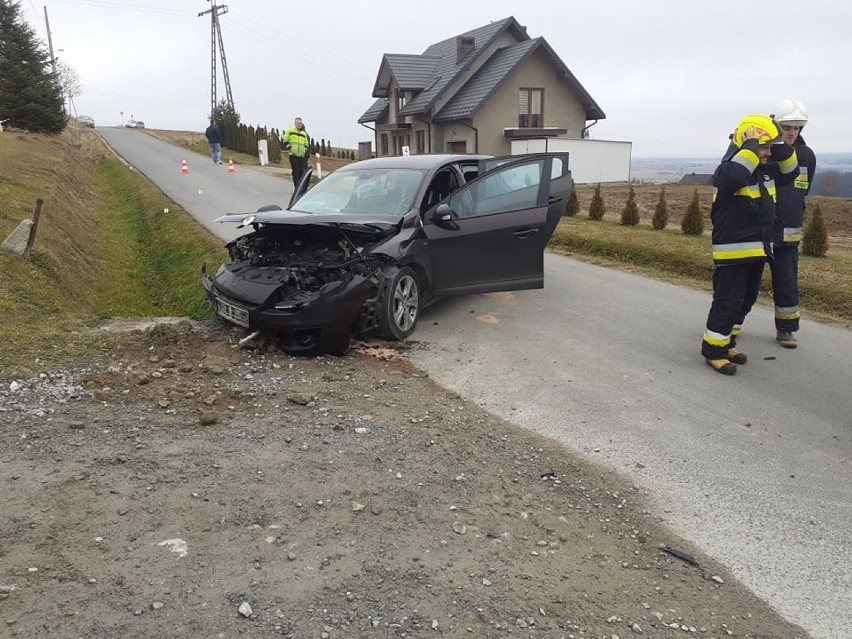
[302, 262]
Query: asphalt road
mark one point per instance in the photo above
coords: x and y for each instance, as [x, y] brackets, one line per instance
[755, 469]
[208, 190]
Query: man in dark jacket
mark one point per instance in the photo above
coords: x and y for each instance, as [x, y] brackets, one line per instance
[743, 217]
[214, 138]
[792, 116]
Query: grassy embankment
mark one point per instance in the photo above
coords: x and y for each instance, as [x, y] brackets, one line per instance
[104, 248]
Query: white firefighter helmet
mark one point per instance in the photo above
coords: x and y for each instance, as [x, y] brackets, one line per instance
[790, 112]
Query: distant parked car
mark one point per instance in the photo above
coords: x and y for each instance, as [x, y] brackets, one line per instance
[130, 124]
[140, 124]
[86, 120]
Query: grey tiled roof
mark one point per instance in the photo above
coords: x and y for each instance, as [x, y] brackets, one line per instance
[447, 67]
[412, 72]
[489, 76]
[476, 92]
[429, 74]
[375, 111]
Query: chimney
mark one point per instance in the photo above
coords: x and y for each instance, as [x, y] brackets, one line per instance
[464, 47]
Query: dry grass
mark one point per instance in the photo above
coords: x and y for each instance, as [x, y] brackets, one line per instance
[825, 283]
[837, 212]
[100, 250]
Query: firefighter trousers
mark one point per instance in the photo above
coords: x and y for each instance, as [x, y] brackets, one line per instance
[785, 286]
[735, 290]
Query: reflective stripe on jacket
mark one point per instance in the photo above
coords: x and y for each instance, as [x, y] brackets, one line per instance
[298, 140]
[792, 197]
[743, 210]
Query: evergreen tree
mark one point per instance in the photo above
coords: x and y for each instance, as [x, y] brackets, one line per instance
[661, 212]
[573, 206]
[597, 208]
[815, 238]
[30, 94]
[274, 145]
[630, 214]
[693, 222]
[322, 147]
[229, 124]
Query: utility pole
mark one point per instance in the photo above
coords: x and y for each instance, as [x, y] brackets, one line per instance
[50, 42]
[53, 58]
[216, 38]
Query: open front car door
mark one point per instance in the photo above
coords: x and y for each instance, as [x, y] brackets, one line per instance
[490, 234]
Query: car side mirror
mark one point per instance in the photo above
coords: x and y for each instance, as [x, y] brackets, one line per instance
[442, 214]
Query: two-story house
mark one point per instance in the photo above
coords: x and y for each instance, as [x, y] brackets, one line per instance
[476, 93]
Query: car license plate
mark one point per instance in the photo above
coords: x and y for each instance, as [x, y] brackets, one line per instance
[232, 313]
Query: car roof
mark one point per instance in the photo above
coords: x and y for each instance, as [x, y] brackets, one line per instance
[421, 161]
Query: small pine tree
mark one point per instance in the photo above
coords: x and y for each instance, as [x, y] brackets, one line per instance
[573, 206]
[661, 212]
[815, 238]
[630, 214]
[597, 208]
[30, 94]
[693, 222]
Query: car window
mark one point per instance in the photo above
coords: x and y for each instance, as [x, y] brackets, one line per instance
[443, 183]
[501, 190]
[388, 192]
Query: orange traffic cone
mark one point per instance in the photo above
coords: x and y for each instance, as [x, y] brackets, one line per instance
[231, 167]
[184, 167]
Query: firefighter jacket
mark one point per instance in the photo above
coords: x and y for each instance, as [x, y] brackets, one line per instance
[743, 210]
[790, 208]
[296, 141]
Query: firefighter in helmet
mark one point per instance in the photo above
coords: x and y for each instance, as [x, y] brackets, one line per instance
[743, 216]
[792, 116]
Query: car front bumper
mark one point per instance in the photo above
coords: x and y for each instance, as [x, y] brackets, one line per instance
[318, 322]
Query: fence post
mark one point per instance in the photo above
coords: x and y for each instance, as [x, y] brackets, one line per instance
[36, 215]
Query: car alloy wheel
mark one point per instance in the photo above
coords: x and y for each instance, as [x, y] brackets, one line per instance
[400, 306]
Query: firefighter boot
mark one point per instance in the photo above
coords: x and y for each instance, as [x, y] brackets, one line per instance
[786, 339]
[736, 357]
[724, 366]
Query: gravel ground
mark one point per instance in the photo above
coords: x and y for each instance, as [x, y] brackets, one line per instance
[184, 487]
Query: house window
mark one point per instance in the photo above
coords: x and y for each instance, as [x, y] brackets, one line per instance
[421, 141]
[400, 99]
[384, 142]
[530, 108]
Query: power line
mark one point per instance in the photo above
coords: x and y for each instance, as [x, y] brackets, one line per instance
[109, 4]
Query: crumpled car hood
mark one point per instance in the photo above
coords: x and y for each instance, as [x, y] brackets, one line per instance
[378, 225]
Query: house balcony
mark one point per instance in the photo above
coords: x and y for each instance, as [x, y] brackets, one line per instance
[520, 133]
[393, 126]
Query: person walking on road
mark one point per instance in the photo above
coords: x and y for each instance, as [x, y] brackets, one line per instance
[214, 138]
[297, 142]
[743, 217]
[792, 116]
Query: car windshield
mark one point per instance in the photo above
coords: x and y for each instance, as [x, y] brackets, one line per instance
[388, 192]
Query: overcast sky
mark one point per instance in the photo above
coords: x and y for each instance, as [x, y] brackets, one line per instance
[673, 76]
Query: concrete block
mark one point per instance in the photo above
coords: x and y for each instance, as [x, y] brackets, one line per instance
[18, 239]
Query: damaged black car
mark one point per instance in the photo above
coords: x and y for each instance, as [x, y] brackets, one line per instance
[370, 245]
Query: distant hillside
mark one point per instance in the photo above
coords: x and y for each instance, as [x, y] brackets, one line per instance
[833, 175]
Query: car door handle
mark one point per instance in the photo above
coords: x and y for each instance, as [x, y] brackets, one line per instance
[552, 199]
[525, 233]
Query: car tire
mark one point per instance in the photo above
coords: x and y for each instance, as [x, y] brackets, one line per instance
[399, 306]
